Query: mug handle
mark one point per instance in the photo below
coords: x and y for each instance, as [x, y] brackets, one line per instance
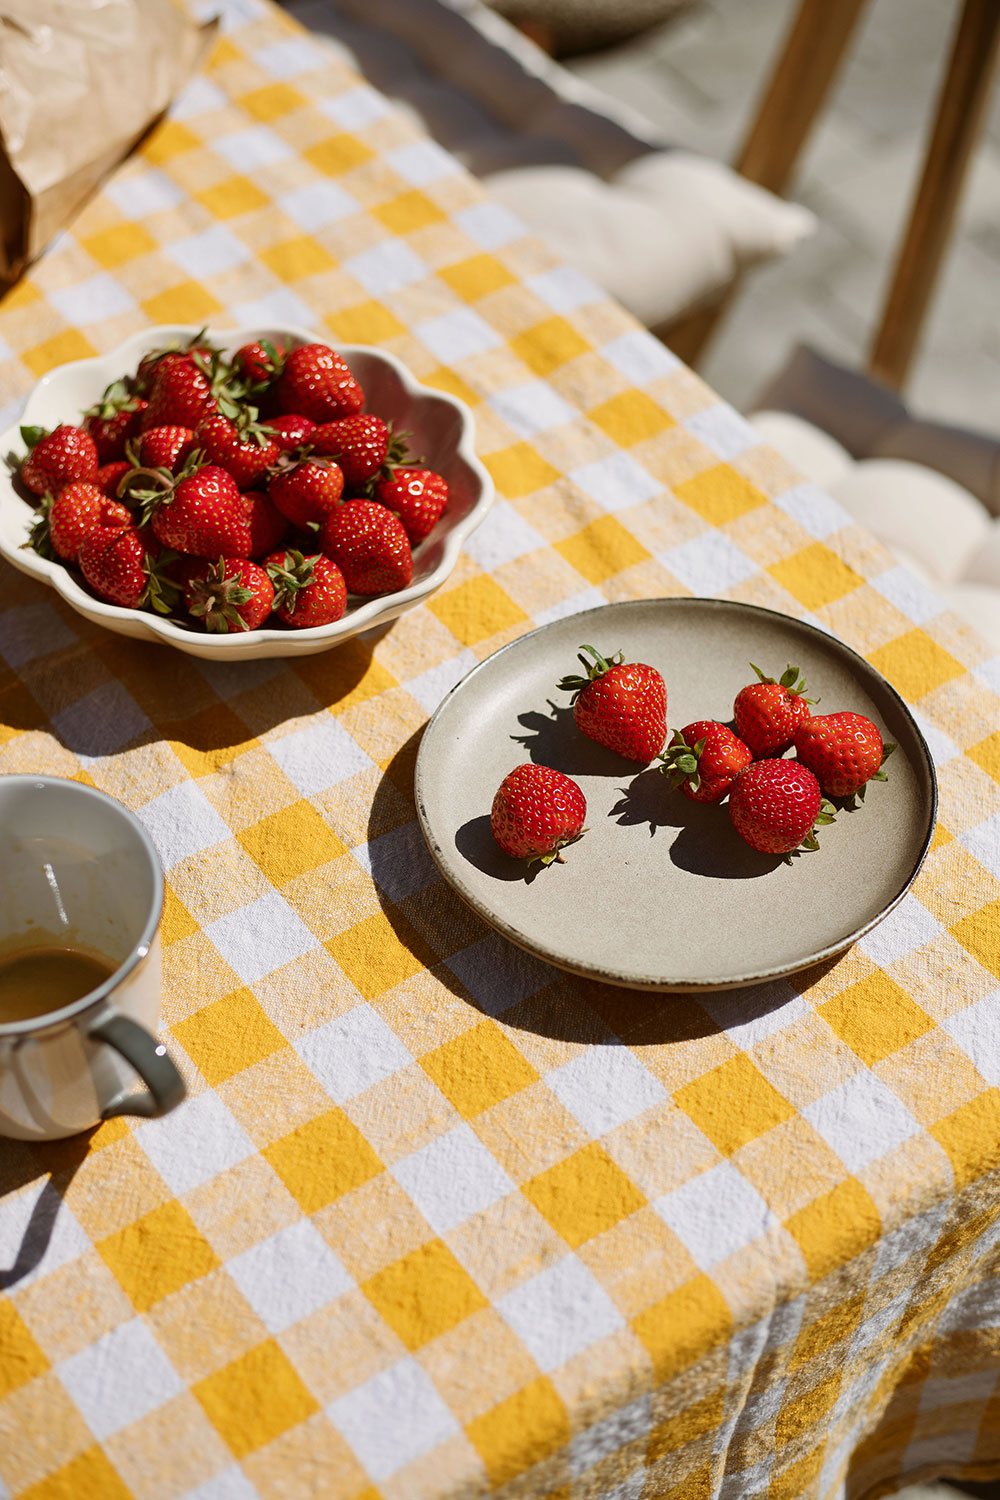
[165, 1088]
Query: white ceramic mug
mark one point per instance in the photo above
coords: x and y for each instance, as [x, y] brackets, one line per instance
[76, 864]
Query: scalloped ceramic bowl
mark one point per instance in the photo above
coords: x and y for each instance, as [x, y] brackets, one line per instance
[441, 431]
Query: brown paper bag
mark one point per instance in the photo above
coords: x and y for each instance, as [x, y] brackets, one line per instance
[81, 81]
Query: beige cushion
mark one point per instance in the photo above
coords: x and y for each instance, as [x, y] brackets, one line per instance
[664, 231]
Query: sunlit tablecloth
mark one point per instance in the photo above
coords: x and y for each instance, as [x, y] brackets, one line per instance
[437, 1219]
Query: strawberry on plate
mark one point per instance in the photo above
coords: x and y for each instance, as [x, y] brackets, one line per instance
[260, 361]
[308, 491]
[704, 759]
[58, 457]
[417, 496]
[185, 387]
[161, 447]
[536, 812]
[268, 527]
[117, 565]
[61, 523]
[109, 476]
[360, 444]
[318, 383]
[369, 545]
[769, 711]
[844, 751]
[620, 704]
[201, 511]
[774, 805]
[308, 591]
[230, 595]
[290, 430]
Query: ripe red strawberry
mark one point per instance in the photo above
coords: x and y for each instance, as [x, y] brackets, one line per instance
[369, 545]
[308, 591]
[232, 594]
[202, 512]
[113, 420]
[360, 444]
[109, 476]
[417, 496]
[318, 383]
[704, 759]
[268, 526]
[150, 363]
[58, 457]
[620, 704]
[308, 491]
[774, 805]
[61, 523]
[181, 392]
[536, 812]
[242, 447]
[162, 447]
[844, 751]
[768, 712]
[117, 566]
[259, 362]
[290, 431]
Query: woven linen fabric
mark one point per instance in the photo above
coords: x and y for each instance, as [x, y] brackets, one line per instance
[436, 1219]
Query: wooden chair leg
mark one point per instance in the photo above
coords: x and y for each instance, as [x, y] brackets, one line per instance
[956, 126]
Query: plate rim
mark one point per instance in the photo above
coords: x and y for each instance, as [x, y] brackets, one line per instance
[653, 983]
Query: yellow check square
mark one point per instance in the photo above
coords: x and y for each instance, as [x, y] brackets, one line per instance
[683, 1325]
[834, 1228]
[272, 101]
[365, 323]
[170, 138]
[521, 1431]
[548, 345]
[255, 1398]
[294, 259]
[520, 470]
[602, 549]
[875, 1018]
[233, 196]
[187, 302]
[337, 154]
[631, 418]
[733, 1104]
[57, 350]
[228, 1035]
[719, 494]
[424, 1294]
[89, 1476]
[478, 1068]
[377, 954]
[816, 576]
[22, 1359]
[583, 1195]
[290, 842]
[322, 1160]
[111, 247]
[969, 1136]
[803, 1412]
[979, 933]
[157, 1254]
[476, 277]
[986, 755]
[409, 212]
[915, 664]
[476, 609]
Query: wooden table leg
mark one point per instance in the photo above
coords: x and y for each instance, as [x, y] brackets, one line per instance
[797, 89]
[956, 126]
[799, 84]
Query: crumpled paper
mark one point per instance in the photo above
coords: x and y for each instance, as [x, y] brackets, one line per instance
[81, 81]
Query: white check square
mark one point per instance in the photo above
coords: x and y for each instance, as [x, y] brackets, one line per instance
[715, 1214]
[228, 1484]
[399, 861]
[258, 938]
[317, 204]
[640, 357]
[564, 288]
[983, 843]
[909, 594]
[289, 1276]
[976, 1029]
[421, 162]
[452, 1178]
[532, 407]
[489, 225]
[573, 604]
[121, 1378]
[193, 1143]
[248, 150]
[357, 109]
[861, 1120]
[91, 300]
[138, 194]
[318, 756]
[196, 98]
[723, 430]
[706, 564]
[182, 821]
[277, 308]
[458, 335]
[352, 1052]
[903, 930]
[497, 974]
[814, 510]
[387, 267]
[100, 723]
[430, 687]
[209, 253]
[559, 1312]
[616, 482]
[288, 59]
[32, 630]
[605, 1086]
[392, 1418]
[38, 1233]
[502, 537]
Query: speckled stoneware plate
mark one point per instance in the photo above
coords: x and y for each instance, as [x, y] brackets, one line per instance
[660, 893]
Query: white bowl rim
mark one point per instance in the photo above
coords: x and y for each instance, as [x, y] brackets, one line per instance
[362, 617]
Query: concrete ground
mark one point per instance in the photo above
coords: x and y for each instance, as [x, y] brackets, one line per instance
[699, 76]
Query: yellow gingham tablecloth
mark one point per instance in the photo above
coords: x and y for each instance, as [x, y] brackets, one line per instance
[438, 1220]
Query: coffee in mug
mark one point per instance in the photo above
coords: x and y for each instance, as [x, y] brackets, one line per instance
[47, 975]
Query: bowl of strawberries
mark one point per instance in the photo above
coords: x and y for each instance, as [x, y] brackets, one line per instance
[240, 493]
